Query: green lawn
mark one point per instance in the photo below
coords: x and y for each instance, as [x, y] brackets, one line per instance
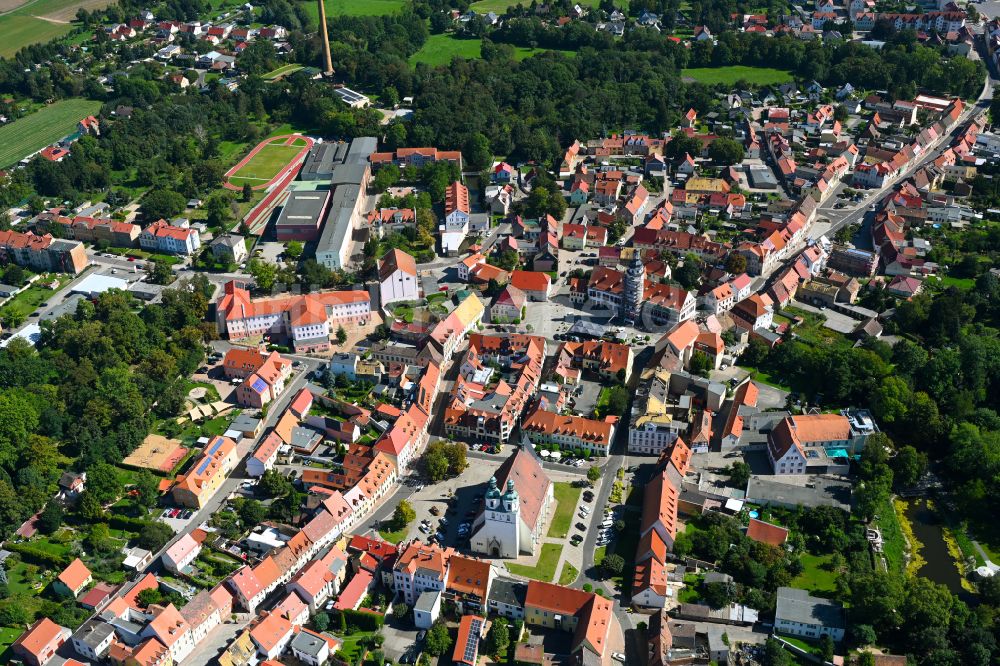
[7, 637]
[351, 648]
[440, 49]
[566, 498]
[893, 541]
[393, 536]
[284, 70]
[816, 576]
[546, 567]
[761, 76]
[568, 575]
[47, 125]
[522, 52]
[362, 7]
[961, 283]
[268, 161]
[26, 302]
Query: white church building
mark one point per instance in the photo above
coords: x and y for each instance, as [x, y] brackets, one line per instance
[518, 501]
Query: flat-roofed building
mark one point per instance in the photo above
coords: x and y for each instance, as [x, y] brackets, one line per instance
[301, 215]
[321, 160]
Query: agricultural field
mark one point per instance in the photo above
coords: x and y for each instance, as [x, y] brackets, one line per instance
[266, 163]
[47, 125]
[38, 21]
[729, 75]
[356, 7]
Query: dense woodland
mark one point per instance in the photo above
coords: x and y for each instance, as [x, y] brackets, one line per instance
[92, 391]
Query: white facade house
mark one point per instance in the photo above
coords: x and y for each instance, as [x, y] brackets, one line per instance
[427, 609]
[797, 613]
[164, 237]
[181, 554]
[397, 276]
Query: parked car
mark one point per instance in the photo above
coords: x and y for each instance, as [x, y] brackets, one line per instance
[435, 511]
[618, 656]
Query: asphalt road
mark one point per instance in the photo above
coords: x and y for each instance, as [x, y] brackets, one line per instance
[235, 478]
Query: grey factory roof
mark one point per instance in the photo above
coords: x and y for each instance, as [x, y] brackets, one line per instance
[322, 159]
[93, 632]
[426, 600]
[303, 207]
[361, 149]
[825, 492]
[352, 173]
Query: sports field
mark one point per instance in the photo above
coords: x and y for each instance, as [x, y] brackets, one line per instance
[33, 132]
[38, 21]
[265, 164]
[729, 75]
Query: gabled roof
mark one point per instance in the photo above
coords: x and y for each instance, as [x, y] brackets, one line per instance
[758, 530]
[530, 481]
[169, 625]
[270, 631]
[467, 575]
[530, 280]
[75, 575]
[394, 260]
[39, 636]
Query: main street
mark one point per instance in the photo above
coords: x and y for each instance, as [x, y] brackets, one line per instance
[855, 214]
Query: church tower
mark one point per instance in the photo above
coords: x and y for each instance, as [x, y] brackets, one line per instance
[500, 534]
[633, 292]
[493, 495]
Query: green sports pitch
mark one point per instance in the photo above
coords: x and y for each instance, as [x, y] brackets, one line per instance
[266, 163]
[37, 130]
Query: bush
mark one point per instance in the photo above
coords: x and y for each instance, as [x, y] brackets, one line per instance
[362, 620]
[38, 556]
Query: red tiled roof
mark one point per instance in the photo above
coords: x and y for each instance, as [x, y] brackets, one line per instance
[758, 530]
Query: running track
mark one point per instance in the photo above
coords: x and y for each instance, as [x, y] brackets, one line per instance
[292, 165]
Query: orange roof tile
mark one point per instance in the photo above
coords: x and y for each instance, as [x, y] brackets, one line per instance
[758, 530]
[75, 575]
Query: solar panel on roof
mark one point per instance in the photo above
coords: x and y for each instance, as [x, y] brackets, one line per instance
[259, 386]
[215, 447]
[203, 466]
[472, 645]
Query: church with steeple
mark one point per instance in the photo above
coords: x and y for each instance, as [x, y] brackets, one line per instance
[517, 503]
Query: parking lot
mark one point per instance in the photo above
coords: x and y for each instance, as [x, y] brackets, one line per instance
[177, 518]
[584, 402]
[433, 502]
